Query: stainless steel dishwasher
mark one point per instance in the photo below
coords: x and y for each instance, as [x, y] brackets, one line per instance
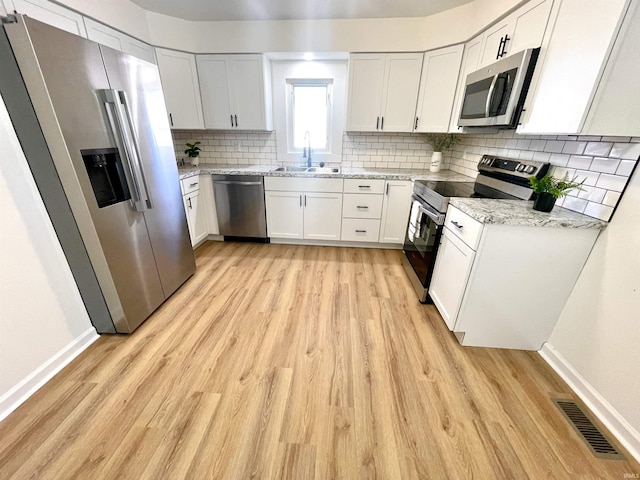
[240, 206]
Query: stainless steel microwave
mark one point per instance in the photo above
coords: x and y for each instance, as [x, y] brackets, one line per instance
[494, 95]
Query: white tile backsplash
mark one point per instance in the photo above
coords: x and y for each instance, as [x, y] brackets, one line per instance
[604, 163]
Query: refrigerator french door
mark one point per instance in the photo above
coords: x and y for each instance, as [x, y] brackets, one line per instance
[103, 118]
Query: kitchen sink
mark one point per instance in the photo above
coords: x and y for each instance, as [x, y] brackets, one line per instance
[323, 170]
[291, 169]
[308, 169]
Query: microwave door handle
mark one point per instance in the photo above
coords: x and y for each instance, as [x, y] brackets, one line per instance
[492, 91]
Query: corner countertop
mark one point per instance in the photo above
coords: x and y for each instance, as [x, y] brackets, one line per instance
[347, 172]
[518, 212]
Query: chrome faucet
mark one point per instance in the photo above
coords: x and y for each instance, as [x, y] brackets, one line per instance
[306, 151]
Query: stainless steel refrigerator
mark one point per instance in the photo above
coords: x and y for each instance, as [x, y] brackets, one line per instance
[92, 123]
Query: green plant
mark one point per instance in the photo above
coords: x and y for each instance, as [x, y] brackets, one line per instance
[193, 150]
[556, 187]
[441, 141]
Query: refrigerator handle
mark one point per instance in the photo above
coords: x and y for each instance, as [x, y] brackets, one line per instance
[111, 102]
[132, 138]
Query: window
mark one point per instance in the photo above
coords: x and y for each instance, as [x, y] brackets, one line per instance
[309, 115]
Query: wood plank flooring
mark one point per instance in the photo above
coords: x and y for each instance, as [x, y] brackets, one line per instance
[297, 362]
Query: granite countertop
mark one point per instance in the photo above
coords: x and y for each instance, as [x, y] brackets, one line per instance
[518, 212]
[347, 172]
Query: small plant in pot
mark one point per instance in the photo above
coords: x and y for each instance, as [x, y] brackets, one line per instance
[439, 142]
[193, 150]
[548, 189]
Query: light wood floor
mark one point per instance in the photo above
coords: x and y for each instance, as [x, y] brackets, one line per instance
[301, 363]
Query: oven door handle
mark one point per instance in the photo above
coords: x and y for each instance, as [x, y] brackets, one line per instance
[432, 214]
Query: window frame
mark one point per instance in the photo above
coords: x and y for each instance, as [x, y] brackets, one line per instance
[291, 83]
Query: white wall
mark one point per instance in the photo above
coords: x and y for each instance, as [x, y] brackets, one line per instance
[599, 330]
[43, 322]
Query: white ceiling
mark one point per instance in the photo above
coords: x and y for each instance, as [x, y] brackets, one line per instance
[212, 10]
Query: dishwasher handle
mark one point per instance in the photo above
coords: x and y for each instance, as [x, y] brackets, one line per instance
[234, 182]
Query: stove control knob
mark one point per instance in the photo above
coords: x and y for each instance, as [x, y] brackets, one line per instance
[520, 168]
[531, 169]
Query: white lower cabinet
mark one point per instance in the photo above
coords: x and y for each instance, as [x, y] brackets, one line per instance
[450, 276]
[303, 208]
[509, 291]
[395, 211]
[197, 196]
[322, 216]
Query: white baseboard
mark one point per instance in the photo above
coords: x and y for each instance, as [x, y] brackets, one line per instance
[609, 416]
[28, 386]
[336, 243]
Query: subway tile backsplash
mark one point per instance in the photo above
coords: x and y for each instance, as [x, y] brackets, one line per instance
[605, 163]
[228, 147]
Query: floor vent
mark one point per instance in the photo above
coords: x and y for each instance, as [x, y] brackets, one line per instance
[597, 442]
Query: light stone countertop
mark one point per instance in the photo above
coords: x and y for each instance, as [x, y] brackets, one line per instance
[347, 172]
[518, 212]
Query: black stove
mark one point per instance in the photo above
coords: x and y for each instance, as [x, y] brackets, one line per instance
[437, 193]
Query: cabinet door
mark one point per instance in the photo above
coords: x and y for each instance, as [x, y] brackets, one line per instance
[450, 275]
[440, 70]
[103, 35]
[469, 64]
[529, 25]
[491, 47]
[247, 100]
[207, 203]
[395, 211]
[402, 81]
[191, 216]
[214, 87]
[138, 49]
[52, 14]
[284, 214]
[366, 82]
[322, 216]
[180, 86]
[199, 219]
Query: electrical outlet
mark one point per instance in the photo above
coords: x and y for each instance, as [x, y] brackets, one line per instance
[392, 150]
[360, 149]
[237, 144]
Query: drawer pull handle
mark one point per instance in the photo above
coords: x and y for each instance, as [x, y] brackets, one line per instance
[456, 224]
[193, 184]
[364, 186]
[361, 231]
[362, 206]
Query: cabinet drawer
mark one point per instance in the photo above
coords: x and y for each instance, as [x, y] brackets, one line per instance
[360, 230]
[362, 206]
[363, 185]
[190, 184]
[300, 184]
[463, 226]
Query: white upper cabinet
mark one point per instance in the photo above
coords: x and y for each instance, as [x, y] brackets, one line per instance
[574, 53]
[469, 64]
[440, 70]
[118, 41]
[236, 91]
[180, 86]
[51, 14]
[523, 29]
[616, 104]
[383, 91]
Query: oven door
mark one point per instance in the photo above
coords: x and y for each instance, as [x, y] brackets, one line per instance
[422, 239]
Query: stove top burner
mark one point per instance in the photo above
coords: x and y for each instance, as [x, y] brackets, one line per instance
[450, 189]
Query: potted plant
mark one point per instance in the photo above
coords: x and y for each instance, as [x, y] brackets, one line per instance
[548, 189]
[193, 151]
[439, 142]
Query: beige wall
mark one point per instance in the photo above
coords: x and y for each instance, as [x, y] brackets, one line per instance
[599, 330]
